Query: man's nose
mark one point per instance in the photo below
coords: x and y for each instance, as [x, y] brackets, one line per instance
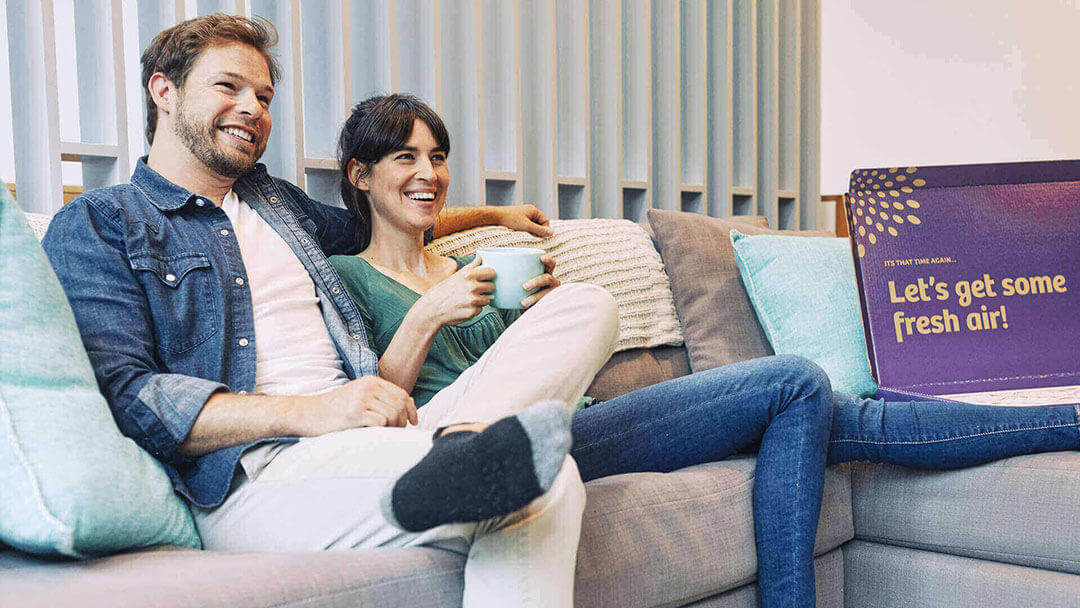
[248, 103]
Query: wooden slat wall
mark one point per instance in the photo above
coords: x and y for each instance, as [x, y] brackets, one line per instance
[586, 108]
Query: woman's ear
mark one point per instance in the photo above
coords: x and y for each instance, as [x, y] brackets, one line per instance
[356, 168]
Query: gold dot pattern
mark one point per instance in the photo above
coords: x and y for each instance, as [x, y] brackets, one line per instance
[875, 187]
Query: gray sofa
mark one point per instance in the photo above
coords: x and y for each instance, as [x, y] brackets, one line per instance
[1004, 534]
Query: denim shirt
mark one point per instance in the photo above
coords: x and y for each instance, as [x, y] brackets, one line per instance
[160, 294]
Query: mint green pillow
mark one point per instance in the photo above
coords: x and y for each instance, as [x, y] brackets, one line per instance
[804, 292]
[70, 483]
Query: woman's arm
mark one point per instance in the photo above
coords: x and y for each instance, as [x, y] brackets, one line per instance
[455, 299]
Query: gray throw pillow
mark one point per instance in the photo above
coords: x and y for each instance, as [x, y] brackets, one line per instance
[718, 320]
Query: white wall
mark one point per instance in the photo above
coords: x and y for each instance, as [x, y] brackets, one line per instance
[946, 82]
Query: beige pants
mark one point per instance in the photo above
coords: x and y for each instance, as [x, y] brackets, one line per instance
[323, 492]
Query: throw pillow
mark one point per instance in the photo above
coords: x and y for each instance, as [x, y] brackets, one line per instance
[70, 483]
[717, 318]
[617, 255]
[804, 292]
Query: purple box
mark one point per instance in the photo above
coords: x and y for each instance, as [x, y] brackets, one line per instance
[969, 275]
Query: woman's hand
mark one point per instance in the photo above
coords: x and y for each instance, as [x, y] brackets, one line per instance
[546, 282]
[460, 296]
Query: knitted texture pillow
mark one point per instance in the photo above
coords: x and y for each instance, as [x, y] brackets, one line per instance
[615, 254]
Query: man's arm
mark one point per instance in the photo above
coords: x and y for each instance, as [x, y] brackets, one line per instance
[518, 217]
[227, 419]
[171, 415]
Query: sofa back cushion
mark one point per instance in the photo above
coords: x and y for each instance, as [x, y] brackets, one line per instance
[70, 483]
[717, 317]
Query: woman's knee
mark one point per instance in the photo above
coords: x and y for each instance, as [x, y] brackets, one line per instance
[598, 307]
[808, 379]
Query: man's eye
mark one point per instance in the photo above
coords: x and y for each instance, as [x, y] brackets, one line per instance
[264, 99]
[227, 85]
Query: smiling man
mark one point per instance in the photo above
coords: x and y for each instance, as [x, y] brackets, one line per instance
[220, 334]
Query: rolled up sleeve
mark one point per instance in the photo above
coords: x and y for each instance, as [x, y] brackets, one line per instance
[85, 245]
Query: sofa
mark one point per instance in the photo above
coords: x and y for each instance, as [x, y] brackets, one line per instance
[1003, 534]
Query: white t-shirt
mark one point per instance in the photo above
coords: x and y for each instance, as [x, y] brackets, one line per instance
[294, 354]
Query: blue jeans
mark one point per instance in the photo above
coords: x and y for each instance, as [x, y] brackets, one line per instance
[785, 405]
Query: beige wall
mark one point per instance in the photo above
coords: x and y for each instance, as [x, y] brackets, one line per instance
[941, 82]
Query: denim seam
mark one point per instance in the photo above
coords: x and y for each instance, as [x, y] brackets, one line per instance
[668, 416]
[945, 439]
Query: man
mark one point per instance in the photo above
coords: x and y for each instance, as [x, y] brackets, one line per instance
[205, 281]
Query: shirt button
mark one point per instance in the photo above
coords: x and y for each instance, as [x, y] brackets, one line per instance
[242, 341]
[239, 281]
[304, 241]
[200, 203]
[356, 337]
[224, 232]
[170, 277]
[335, 290]
[273, 199]
[241, 392]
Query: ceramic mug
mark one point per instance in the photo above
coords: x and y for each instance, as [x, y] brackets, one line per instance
[513, 266]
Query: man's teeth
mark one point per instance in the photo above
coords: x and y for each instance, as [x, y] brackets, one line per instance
[421, 196]
[244, 135]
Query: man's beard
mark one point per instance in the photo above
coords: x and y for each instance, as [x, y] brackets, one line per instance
[200, 139]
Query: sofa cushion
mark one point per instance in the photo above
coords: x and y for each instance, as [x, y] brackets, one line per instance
[183, 578]
[614, 254]
[1022, 510]
[651, 539]
[717, 319]
[630, 370]
[70, 483]
[887, 576]
[804, 293]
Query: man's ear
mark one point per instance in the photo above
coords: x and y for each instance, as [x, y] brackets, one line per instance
[355, 170]
[163, 92]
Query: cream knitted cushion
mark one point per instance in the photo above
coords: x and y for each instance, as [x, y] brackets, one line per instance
[615, 254]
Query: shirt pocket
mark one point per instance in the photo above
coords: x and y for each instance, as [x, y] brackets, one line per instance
[180, 293]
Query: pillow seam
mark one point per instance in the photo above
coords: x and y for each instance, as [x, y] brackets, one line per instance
[68, 544]
[752, 292]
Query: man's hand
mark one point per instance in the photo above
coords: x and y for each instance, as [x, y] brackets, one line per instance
[366, 401]
[524, 217]
[545, 282]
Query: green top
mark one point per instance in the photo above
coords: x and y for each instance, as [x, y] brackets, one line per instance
[383, 303]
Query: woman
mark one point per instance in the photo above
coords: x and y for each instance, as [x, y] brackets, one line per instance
[784, 403]
[437, 305]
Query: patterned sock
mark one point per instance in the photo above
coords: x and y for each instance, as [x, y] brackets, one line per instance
[469, 476]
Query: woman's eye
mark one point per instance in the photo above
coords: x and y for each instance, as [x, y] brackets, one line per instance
[440, 158]
[404, 156]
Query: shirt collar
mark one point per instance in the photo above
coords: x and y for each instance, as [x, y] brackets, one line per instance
[167, 196]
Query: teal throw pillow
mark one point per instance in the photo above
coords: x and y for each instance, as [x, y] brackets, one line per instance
[70, 483]
[803, 290]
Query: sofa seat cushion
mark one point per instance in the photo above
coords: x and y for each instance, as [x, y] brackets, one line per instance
[1022, 510]
[666, 539]
[182, 578]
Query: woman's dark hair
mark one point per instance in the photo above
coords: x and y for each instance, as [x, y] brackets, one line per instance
[378, 126]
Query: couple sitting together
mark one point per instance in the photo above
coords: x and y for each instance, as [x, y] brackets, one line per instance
[312, 378]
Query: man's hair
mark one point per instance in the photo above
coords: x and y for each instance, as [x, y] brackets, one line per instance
[174, 51]
[376, 127]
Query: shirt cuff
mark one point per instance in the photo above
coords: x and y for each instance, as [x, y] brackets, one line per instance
[175, 401]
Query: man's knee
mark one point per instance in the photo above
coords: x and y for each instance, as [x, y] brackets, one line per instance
[567, 493]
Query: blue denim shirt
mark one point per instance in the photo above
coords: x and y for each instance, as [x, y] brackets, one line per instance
[151, 271]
